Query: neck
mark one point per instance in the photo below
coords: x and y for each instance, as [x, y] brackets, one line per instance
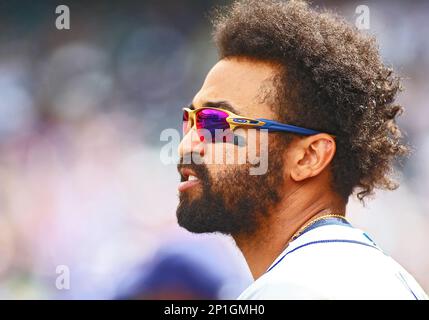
[261, 248]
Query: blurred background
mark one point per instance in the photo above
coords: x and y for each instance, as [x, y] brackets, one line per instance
[82, 186]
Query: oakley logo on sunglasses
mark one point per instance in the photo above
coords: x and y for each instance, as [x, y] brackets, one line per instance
[246, 121]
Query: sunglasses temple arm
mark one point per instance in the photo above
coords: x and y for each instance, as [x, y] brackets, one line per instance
[277, 126]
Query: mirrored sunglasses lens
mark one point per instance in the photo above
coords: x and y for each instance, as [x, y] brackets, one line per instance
[213, 121]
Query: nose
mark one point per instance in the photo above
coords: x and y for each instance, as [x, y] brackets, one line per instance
[191, 143]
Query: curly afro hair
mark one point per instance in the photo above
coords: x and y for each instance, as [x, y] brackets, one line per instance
[331, 78]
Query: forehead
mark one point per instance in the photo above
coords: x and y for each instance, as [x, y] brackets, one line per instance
[241, 83]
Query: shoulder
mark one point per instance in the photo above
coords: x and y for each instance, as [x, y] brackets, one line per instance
[334, 264]
[282, 289]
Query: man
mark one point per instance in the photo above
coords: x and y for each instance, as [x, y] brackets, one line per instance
[320, 89]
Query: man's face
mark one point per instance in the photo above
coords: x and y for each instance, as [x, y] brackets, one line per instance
[225, 197]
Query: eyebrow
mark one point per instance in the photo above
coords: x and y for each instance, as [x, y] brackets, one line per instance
[216, 104]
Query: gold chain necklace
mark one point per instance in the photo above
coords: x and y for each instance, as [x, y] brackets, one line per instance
[311, 222]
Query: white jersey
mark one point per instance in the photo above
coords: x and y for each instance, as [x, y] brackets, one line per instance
[334, 261]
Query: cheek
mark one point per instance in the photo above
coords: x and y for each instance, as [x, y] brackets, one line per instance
[251, 149]
[220, 154]
[250, 145]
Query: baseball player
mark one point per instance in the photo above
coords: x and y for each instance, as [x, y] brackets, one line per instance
[309, 97]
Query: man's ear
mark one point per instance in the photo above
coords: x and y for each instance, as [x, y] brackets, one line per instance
[311, 155]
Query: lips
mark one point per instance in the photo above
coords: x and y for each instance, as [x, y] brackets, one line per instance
[188, 179]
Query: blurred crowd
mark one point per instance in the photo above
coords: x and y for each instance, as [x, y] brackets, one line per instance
[82, 184]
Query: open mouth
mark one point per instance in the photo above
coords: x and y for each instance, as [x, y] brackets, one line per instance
[188, 179]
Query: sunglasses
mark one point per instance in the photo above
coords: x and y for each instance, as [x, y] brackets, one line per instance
[216, 120]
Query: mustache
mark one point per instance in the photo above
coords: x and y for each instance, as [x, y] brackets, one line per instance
[192, 158]
[188, 162]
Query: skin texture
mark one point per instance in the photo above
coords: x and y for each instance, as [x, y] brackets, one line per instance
[302, 189]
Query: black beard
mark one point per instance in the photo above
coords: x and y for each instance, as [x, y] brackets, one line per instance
[235, 203]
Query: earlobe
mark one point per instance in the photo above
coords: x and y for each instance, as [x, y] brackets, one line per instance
[298, 175]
